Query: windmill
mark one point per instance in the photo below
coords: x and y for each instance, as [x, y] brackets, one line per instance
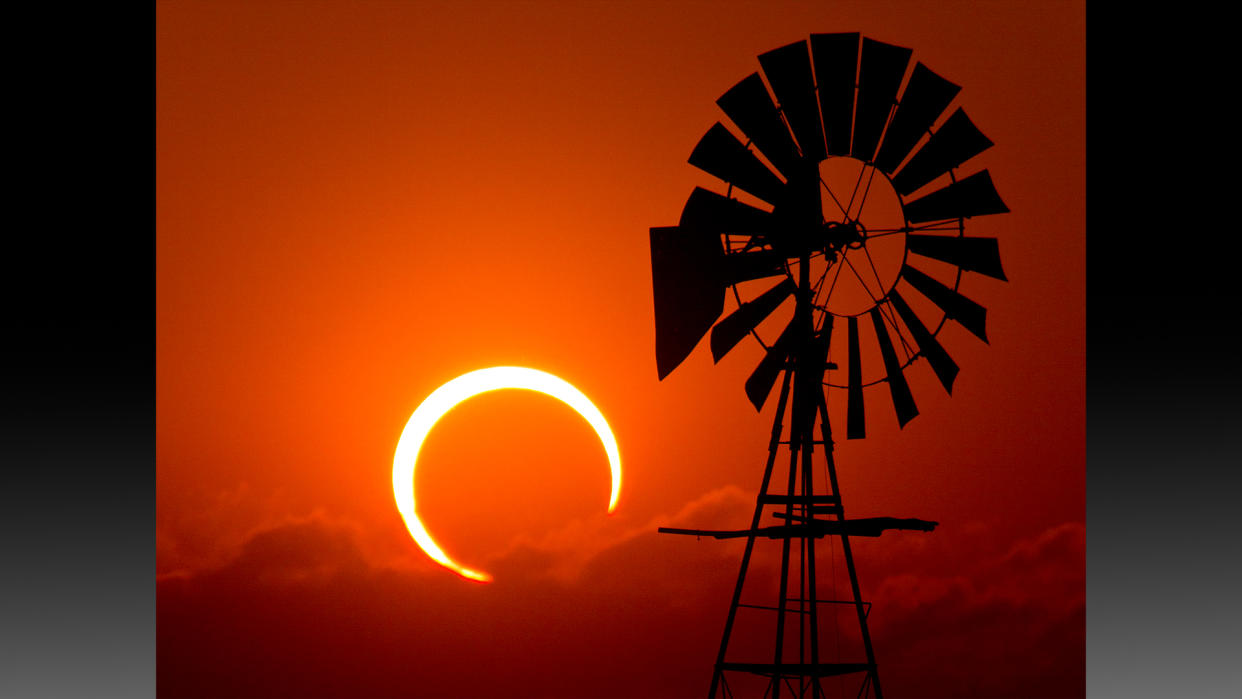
[842, 225]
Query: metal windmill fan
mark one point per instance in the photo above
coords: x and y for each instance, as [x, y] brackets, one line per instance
[845, 197]
[859, 241]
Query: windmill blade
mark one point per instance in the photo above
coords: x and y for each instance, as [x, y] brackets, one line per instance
[710, 212]
[903, 402]
[750, 107]
[967, 313]
[759, 384]
[957, 141]
[980, 255]
[926, 96]
[879, 75]
[941, 362]
[719, 153]
[789, 73]
[747, 317]
[685, 280]
[973, 196]
[745, 266]
[855, 416]
[835, 57]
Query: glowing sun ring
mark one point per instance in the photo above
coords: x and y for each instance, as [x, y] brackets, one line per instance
[444, 399]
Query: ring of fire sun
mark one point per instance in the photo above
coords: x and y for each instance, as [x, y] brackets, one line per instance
[462, 388]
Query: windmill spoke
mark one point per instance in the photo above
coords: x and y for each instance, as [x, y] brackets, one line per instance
[818, 287]
[886, 313]
[835, 276]
[933, 226]
[877, 232]
[860, 279]
[820, 282]
[816, 290]
[944, 224]
[873, 234]
[834, 197]
[871, 263]
[853, 194]
[823, 317]
[891, 317]
[867, 190]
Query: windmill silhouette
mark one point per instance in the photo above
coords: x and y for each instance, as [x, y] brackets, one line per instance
[845, 198]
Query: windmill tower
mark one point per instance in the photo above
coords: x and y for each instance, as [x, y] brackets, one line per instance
[845, 198]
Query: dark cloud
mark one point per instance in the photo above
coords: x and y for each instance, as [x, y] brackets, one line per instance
[303, 610]
[1013, 626]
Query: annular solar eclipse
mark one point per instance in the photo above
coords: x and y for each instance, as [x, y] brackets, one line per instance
[462, 388]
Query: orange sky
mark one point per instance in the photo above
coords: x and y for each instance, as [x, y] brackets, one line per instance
[357, 202]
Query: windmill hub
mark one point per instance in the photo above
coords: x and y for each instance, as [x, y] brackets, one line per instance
[838, 235]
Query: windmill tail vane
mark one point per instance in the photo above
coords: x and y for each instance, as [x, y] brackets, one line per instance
[845, 199]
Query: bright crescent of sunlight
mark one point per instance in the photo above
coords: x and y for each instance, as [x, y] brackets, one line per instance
[444, 399]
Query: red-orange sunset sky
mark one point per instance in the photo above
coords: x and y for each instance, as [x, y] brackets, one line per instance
[357, 202]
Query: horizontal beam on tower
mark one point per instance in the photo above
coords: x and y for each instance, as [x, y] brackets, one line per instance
[795, 669]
